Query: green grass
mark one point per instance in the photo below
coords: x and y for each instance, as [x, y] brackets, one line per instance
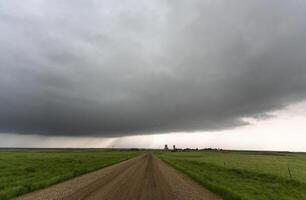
[26, 171]
[245, 175]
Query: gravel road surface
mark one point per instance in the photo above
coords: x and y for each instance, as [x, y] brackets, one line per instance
[141, 178]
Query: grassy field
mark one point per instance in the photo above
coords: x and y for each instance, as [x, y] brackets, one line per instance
[245, 175]
[25, 171]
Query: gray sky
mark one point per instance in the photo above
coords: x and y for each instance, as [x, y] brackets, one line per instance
[112, 68]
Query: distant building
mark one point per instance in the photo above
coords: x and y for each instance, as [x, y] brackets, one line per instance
[166, 147]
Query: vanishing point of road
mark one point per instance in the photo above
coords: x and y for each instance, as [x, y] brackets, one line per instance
[142, 178]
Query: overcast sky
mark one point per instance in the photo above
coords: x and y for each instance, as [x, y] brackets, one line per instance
[102, 69]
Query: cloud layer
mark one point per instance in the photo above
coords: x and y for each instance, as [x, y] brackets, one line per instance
[113, 68]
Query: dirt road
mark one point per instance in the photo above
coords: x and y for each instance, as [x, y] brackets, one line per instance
[141, 178]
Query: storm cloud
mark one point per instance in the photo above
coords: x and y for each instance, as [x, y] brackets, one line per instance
[114, 68]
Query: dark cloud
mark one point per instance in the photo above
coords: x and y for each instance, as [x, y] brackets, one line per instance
[105, 68]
